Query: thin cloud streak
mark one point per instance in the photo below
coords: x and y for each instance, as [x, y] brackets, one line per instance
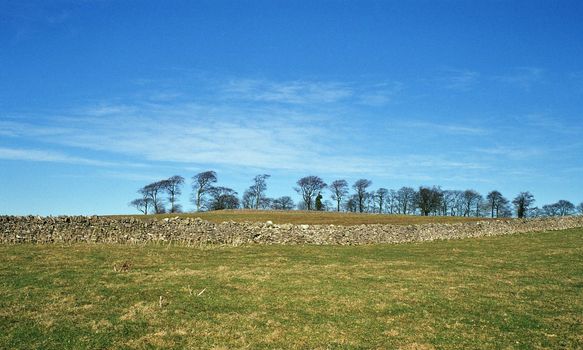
[454, 129]
[293, 92]
[192, 134]
[309, 93]
[522, 77]
[459, 79]
[547, 123]
[49, 156]
[380, 94]
[259, 124]
[513, 152]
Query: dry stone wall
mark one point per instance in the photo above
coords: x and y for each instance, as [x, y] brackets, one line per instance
[194, 231]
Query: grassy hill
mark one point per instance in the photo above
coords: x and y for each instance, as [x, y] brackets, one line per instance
[516, 292]
[314, 217]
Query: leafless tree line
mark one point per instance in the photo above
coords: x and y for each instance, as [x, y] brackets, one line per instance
[155, 195]
[206, 195]
[561, 208]
[358, 197]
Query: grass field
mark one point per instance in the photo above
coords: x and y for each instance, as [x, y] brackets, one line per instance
[512, 292]
[312, 217]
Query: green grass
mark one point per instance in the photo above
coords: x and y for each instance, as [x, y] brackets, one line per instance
[311, 217]
[511, 292]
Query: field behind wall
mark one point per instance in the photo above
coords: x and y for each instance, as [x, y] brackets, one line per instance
[312, 217]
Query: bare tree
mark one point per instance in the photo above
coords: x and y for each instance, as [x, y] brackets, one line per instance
[141, 204]
[223, 198]
[265, 203]
[283, 203]
[448, 202]
[308, 187]
[352, 203]
[173, 187]
[429, 200]
[471, 198]
[201, 184]
[580, 208]
[479, 205]
[496, 202]
[328, 206]
[493, 197]
[258, 189]
[391, 202]
[360, 187]
[456, 202]
[339, 189]
[405, 199]
[153, 192]
[505, 211]
[381, 197]
[535, 212]
[301, 206]
[248, 200]
[522, 203]
[549, 210]
[565, 207]
[370, 202]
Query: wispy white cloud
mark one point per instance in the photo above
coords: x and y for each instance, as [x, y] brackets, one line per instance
[14, 127]
[573, 170]
[131, 176]
[379, 94]
[310, 93]
[513, 152]
[522, 77]
[24, 18]
[246, 124]
[186, 133]
[549, 123]
[292, 92]
[458, 79]
[191, 134]
[445, 128]
[49, 156]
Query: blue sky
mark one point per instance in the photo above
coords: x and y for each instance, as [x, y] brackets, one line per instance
[98, 98]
